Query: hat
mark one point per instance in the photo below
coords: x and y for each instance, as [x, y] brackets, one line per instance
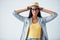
[35, 4]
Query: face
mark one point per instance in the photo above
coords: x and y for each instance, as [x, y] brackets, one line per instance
[35, 11]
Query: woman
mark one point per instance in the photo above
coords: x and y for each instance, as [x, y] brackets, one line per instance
[34, 25]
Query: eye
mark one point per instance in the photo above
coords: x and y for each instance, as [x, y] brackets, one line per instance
[35, 8]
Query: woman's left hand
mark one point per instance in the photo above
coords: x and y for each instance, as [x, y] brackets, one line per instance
[41, 8]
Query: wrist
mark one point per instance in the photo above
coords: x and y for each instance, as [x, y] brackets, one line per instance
[41, 8]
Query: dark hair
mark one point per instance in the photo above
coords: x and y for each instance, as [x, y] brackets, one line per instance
[30, 13]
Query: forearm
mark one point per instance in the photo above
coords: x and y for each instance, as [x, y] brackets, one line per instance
[51, 17]
[47, 11]
[21, 10]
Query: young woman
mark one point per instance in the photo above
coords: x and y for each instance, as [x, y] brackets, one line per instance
[34, 25]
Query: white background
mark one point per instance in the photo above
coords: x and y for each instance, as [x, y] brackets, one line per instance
[11, 27]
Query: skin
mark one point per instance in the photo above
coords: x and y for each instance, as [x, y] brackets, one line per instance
[35, 12]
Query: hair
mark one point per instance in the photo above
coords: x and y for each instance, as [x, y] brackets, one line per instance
[30, 13]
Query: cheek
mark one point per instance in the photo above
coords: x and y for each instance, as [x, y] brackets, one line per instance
[37, 11]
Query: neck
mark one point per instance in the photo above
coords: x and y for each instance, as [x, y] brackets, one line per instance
[34, 17]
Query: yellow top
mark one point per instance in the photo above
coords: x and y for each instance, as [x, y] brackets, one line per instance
[34, 31]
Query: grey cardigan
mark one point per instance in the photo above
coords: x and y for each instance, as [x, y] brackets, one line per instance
[27, 21]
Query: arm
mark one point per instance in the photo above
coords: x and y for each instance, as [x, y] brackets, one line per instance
[47, 11]
[22, 10]
[16, 14]
[52, 15]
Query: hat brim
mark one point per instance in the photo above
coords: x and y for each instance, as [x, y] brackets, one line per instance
[34, 6]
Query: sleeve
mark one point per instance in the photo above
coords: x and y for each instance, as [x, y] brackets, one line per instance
[16, 14]
[51, 17]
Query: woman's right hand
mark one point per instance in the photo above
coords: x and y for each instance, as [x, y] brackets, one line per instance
[28, 7]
